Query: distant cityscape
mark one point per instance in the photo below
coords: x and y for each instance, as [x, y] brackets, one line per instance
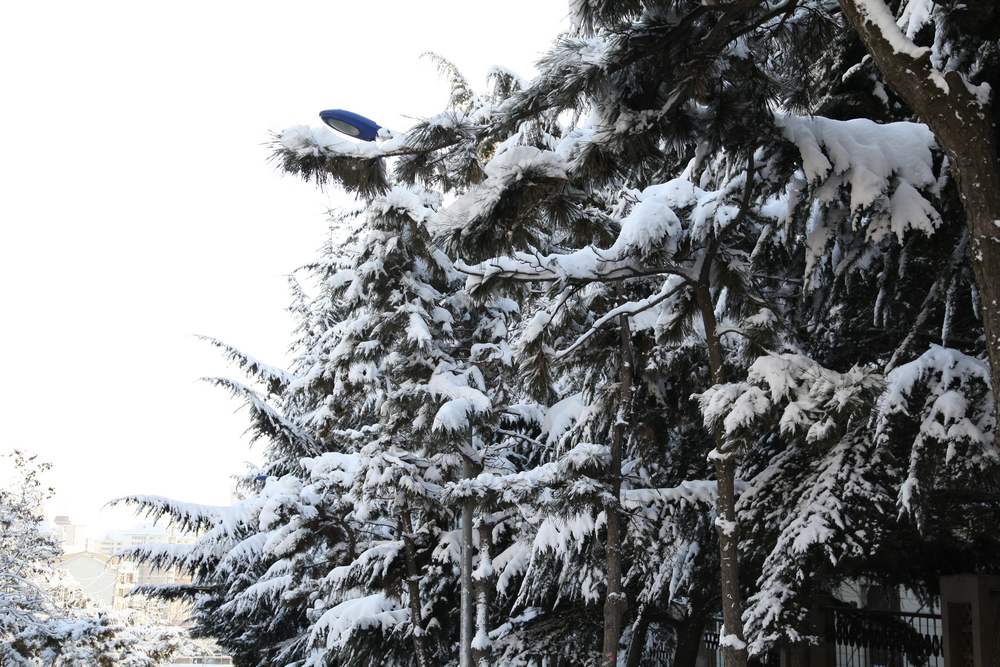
[110, 580]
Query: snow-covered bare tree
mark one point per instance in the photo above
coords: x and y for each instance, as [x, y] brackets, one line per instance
[45, 620]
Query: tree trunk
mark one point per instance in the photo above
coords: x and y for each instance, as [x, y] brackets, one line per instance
[638, 643]
[963, 124]
[467, 609]
[614, 602]
[690, 634]
[732, 643]
[413, 587]
[482, 584]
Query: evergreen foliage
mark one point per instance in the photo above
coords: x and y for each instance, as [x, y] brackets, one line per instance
[705, 277]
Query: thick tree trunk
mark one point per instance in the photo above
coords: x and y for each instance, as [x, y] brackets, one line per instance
[963, 124]
[614, 602]
[413, 587]
[467, 608]
[732, 642]
[482, 586]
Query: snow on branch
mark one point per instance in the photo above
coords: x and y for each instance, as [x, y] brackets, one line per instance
[318, 154]
[160, 556]
[191, 517]
[826, 511]
[793, 390]
[367, 568]
[697, 492]
[561, 416]
[632, 309]
[526, 190]
[248, 600]
[336, 625]
[275, 379]
[337, 467]
[269, 422]
[947, 393]
[465, 398]
[572, 468]
[171, 591]
[651, 228]
[876, 13]
[884, 165]
[513, 165]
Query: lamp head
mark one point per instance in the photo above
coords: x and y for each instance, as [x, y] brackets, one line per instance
[351, 124]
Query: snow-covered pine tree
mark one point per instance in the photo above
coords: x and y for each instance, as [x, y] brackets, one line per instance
[858, 190]
[527, 184]
[366, 340]
[256, 566]
[342, 542]
[459, 389]
[393, 358]
[690, 185]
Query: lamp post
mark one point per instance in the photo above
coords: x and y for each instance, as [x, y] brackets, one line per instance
[351, 124]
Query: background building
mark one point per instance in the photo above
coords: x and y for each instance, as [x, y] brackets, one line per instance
[110, 580]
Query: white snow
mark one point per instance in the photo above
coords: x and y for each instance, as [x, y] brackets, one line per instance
[877, 13]
[865, 153]
[414, 201]
[916, 14]
[464, 394]
[651, 225]
[338, 623]
[417, 330]
[727, 528]
[512, 165]
[692, 491]
[322, 142]
[561, 416]
[732, 641]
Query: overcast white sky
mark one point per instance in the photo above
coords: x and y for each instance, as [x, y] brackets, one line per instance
[137, 208]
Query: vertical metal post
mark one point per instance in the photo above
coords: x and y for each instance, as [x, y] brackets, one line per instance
[971, 620]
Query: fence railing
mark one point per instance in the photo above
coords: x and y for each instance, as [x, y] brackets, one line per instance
[712, 656]
[858, 638]
[868, 638]
[710, 642]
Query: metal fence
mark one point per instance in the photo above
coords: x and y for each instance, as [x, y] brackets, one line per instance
[710, 642]
[867, 638]
[859, 638]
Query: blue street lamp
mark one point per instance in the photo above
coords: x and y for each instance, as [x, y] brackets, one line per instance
[351, 124]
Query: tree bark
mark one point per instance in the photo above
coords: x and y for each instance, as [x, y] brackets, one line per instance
[963, 124]
[614, 602]
[732, 643]
[482, 585]
[413, 587]
[467, 609]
